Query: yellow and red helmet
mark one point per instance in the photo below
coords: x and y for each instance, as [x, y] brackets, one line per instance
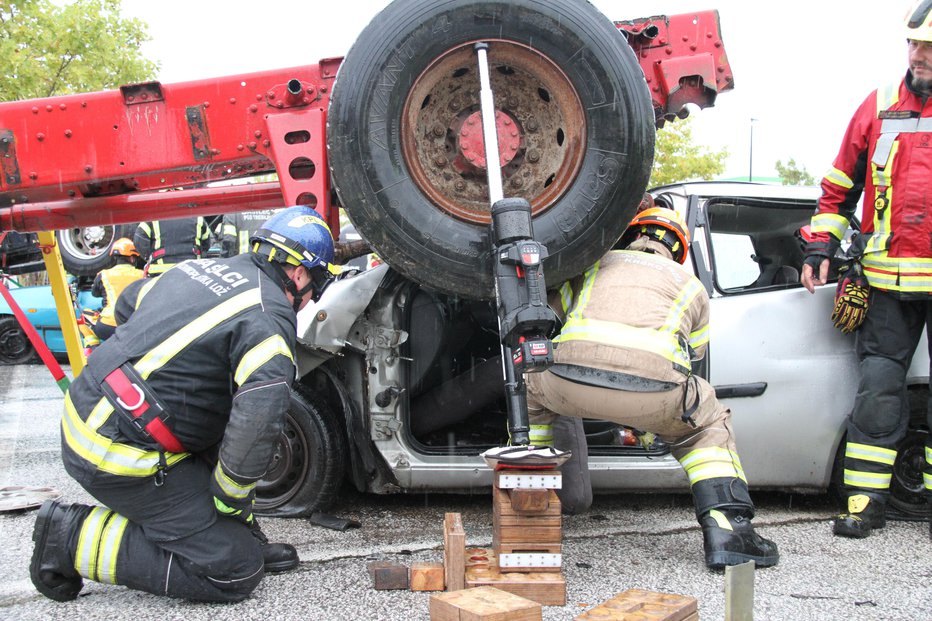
[663, 225]
[919, 21]
[124, 247]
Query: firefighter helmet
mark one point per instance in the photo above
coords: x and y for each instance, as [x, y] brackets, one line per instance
[296, 236]
[124, 247]
[919, 21]
[663, 225]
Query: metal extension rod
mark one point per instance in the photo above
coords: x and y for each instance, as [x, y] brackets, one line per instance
[489, 129]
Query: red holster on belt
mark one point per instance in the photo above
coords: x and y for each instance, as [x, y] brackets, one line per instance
[133, 398]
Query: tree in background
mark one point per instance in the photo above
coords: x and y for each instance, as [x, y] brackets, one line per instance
[47, 50]
[677, 159]
[792, 174]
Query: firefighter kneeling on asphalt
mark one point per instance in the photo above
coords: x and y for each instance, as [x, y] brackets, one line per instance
[634, 323]
[175, 419]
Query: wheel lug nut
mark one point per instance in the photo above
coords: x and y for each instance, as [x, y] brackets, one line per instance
[533, 156]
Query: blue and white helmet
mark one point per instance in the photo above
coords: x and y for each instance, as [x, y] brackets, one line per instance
[296, 236]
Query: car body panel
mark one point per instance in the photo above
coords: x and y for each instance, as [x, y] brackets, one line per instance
[38, 304]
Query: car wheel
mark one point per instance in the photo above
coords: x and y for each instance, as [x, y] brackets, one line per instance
[15, 347]
[575, 122]
[86, 250]
[308, 465]
[907, 490]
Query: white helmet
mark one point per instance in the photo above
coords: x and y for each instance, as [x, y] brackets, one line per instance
[919, 21]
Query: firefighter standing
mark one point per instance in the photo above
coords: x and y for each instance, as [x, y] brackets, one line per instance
[634, 323]
[166, 242]
[175, 419]
[885, 154]
[110, 283]
[235, 230]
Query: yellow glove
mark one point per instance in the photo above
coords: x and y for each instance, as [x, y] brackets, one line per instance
[851, 298]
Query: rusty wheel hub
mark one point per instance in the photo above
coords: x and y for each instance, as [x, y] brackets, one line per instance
[540, 123]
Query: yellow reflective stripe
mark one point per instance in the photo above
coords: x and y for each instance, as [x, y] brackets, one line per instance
[584, 293]
[566, 296]
[541, 434]
[867, 452]
[157, 243]
[839, 178]
[700, 337]
[85, 555]
[110, 548]
[829, 223]
[144, 290]
[146, 228]
[927, 481]
[887, 272]
[869, 480]
[104, 453]
[887, 96]
[929, 456]
[680, 305]
[243, 242]
[228, 228]
[98, 415]
[259, 355]
[621, 335]
[710, 463]
[231, 488]
[170, 347]
[720, 519]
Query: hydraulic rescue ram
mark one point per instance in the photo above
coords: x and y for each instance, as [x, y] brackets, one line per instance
[524, 319]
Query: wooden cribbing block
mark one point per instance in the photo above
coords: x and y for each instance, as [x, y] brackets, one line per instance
[426, 576]
[387, 575]
[483, 604]
[454, 551]
[502, 507]
[529, 501]
[547, 588]
[641, 605]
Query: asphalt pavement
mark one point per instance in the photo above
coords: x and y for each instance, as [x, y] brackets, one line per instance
[646, 541]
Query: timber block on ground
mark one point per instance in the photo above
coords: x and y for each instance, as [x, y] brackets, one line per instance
[641, 605]
[387, 575]
[544, 587]
[483, 604]
[454, 547]
[426, 576]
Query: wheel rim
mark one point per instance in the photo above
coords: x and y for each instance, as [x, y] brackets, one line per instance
[541, 129]
[288, 468]
[88, 242]
[14, 345]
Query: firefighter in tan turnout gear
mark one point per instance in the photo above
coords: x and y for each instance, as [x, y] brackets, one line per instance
[634, 322]
[175, 419]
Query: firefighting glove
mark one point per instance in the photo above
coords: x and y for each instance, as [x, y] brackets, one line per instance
[243, 514]
[850, 298]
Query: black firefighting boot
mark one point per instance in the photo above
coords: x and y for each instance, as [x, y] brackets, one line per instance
[724, 510]
[52, 568]
[865, 513]
[278, 557]
[728, 538]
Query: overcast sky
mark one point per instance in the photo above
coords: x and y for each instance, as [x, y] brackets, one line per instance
[801, 67]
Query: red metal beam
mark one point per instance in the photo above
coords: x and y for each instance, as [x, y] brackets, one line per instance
[133, 207]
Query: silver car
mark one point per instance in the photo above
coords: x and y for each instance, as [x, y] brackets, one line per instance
[400, 387]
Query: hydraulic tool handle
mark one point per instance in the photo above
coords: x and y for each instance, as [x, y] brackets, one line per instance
[519, 427]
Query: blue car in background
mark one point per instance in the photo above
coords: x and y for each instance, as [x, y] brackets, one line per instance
[39, 306]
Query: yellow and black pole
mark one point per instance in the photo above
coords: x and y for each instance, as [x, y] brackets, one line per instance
[63, 302]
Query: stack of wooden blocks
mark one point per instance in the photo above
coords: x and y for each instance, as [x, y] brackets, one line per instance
[527, 538]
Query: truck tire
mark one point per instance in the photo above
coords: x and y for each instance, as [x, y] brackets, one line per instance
[86, 250]
[308, 465]
[575, 122]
